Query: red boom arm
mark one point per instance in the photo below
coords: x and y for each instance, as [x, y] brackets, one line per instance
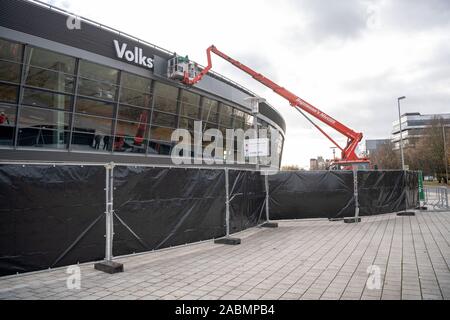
[348, 153]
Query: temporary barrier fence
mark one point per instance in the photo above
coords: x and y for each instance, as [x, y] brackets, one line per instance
[52, 214]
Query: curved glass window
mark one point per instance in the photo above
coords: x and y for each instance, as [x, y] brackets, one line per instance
[38, 98]
[209, 111]
[8, 93]
[43, 128]
[10, 58]
[165, 98]
[226, 115]
[7, 124]
[190, 103]
[95, 107]
[49, 60]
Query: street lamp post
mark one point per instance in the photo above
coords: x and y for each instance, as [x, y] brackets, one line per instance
[403, 213]
[401, 133]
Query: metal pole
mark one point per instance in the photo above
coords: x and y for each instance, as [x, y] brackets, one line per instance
[401, 133]
[109, 211]
[227, 202]
[355, 191]
[266, 182]
[445, 152]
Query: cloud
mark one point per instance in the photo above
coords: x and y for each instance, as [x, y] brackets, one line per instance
[323, 20]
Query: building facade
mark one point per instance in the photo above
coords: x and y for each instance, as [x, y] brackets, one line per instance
[73, 90]
[413, 126]
[373, 144]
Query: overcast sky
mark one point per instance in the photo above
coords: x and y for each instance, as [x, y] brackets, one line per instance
[351, 58]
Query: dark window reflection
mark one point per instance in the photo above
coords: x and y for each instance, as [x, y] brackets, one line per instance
[161, 148]
[43, 128]
[99, 90]
[10, 51]
[94, 107]
[133, 114]
[164, 119]
[190, 105]
[49, 79]
[209, 110]
[7, 124]
[165, 97]
[9, 71]
[50, 60]
[92, 133]
[161, 134]
[8, 93]
[46, 99]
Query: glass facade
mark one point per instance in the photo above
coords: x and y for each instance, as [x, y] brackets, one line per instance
[53, 101]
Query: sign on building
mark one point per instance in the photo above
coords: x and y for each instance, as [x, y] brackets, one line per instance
[256, 148]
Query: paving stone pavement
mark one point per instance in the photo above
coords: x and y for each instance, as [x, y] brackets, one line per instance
[305, 259]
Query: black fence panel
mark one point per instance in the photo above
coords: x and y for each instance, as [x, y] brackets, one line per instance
[50, 216]
[387, 191]
[160, 207]
[247, 199]
[54, 216]
[311, 194]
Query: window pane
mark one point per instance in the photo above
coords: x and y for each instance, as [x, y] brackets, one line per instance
[43, 128]
[97, 72]
[162, 119]
[133, 114]
[209, 110]
[53, 80]
[8, 93]
[239, 119]
[100, 90]
[43, 138]
[190, 104]
[92, 133]
[161, 134]
[130, 137]
[136, 82]
[9, 71]
[226, 115]
[10, 51]
[93, 107]
[39, 98]
[132, 129]
[159, 148]
[50, 60]
[165, 97]
[7, 124]
[136, 98]
[43, 118]
[187, 124]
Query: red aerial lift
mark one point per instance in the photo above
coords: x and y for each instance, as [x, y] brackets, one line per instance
[183, 69]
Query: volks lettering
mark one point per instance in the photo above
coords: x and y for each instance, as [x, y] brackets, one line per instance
[120, 50]
[136, 55]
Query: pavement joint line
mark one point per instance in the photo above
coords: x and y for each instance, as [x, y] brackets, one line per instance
[350, 229]
[415, 255]
[386, 224]
[338, 256]
[442, 254]
[275, 271]
[429, 257]
[388, 257]
[368, 244]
